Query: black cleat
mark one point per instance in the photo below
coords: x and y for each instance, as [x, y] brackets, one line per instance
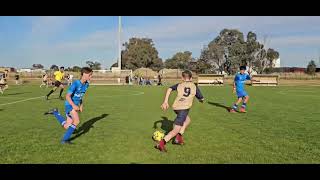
[51, 111]
[61, 98]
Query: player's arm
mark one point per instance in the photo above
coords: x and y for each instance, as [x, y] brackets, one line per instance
[249, 77]
[199, 95]
[81, 106]
[165, 104]
[234, 85]
[68, 97]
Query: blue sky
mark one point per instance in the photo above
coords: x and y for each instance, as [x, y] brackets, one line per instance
[71, 40]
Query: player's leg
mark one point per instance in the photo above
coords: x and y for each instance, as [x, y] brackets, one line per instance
[244, 104]
[61, 120]
[71, 128]
[42, 84]
[178, 123]
[52, 90]
[234, 108]
[179, 137]
[61, 90]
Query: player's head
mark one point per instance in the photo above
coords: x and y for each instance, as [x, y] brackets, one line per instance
[86, 73]
[242, 69]
[186, 75]
[61, 68]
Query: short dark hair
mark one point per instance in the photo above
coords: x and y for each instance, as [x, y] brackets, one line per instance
[187, 73]
[243, 67]
[61, 67]
[86, 70]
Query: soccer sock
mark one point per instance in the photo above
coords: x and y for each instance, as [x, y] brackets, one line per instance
[164, 141]
[235, 107]
[60, 118]
[61, 92]
[244, 105]
[69, 132]
[50, 92]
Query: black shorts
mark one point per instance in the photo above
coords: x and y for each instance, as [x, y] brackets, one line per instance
[44, 81]
[181, 116]
[57, 83]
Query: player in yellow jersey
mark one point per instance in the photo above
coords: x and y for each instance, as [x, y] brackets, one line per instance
[58, 76]
[186, 91]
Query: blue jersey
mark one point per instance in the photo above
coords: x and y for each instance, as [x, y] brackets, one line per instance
[77, 91]
[240, 80]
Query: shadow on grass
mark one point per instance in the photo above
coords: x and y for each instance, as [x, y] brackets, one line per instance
[220, 105]
[86, 126]
[166, 124]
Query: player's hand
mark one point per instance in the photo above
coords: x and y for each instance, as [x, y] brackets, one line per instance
[165, 106]
[76, 108]
[81, 108]
[234, 90]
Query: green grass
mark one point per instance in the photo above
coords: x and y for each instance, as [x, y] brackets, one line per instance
[281, 126]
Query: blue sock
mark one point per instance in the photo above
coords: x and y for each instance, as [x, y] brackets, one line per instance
[235, 107]
[60, 118]
[244, 105]
[69, 132]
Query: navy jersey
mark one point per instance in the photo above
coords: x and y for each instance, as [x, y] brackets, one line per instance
[77, 91]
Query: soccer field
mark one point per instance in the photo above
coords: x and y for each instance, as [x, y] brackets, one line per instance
[281, 126]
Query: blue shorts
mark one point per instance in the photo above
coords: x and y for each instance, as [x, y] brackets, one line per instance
[181, 116]
[68, 109]
[242, 94]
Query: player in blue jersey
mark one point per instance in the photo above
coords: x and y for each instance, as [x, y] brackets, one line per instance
[73, 104]
[238, 87]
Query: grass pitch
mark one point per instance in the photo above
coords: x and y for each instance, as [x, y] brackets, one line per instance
[281, 126]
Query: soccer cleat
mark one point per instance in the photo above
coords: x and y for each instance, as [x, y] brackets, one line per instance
[161, 146]
[178, 140]
[51, 111]
[46, 97]
[233, 110]
[61, 98]
[67, 142]
[243, 110]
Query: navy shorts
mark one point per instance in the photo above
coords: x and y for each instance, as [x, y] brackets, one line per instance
[181, 116]
[68, 109]
[242, 94]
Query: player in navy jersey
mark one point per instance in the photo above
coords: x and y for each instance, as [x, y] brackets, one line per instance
[73, 104]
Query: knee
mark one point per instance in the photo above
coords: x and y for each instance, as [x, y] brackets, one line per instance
[76, 122]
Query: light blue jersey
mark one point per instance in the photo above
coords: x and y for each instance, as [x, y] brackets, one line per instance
[240, 81]
[77, 91]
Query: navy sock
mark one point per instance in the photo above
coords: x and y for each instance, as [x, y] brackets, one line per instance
[61, 92]
[60, 118]
[69, 132]
[235, 107]
[50, 93]
[244, 105]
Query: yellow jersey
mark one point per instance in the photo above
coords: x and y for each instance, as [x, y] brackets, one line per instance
[58, 76]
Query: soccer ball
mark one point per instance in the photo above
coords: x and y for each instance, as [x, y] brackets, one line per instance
[157, 136]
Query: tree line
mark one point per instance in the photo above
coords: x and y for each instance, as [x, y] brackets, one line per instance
[230, 44]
